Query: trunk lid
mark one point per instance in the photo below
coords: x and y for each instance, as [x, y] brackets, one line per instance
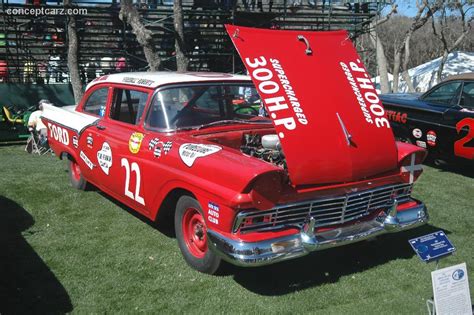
[330, 121]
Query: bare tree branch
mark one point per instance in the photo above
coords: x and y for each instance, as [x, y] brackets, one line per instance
[129, 14]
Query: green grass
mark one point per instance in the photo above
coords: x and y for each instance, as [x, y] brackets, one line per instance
[64, 250]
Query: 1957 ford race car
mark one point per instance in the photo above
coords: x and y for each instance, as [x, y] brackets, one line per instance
[322, 170]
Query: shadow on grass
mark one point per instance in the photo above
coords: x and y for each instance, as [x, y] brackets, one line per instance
[27, 285]
[326, 266]
[164, 224]
[461, 168]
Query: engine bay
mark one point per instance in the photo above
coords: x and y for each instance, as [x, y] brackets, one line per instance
[262, 144]
[266, 148]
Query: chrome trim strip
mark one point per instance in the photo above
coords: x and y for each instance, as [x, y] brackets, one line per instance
[249, 254]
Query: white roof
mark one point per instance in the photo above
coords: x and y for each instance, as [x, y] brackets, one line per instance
[155, 79]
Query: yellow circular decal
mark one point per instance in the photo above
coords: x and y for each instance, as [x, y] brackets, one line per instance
[135, 142]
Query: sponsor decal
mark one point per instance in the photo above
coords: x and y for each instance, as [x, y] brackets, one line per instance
[75, 141]
[59, 134]
[283, 102]
[213, 212]
[86, 160]
[431, 138]
[397, 116]
[135, 142]
[189, 152]
[104, 157]
[90, 141]
[421, 144]
[365, 93]
[458, 274]
[138, 81]
[159, 147]
[417, 133]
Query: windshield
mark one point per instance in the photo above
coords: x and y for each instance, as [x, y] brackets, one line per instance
[197, 105]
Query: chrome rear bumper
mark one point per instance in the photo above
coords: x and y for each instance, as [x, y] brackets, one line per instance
[296, 245]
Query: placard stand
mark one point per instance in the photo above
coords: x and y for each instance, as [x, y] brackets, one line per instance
[432, 247]
[430, 302]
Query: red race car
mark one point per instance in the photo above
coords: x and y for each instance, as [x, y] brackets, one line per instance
[318, 168]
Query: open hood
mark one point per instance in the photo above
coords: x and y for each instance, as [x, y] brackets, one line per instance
[327, 114]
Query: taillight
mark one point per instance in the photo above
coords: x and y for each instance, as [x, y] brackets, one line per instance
[410, 167]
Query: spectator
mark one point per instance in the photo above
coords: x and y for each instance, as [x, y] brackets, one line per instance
[3, 71]
[35, 123]
[121, 65]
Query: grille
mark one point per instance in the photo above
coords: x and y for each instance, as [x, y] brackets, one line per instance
[326, 212]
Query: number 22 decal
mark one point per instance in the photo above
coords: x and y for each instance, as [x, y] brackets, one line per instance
[459, 146]
[134, 168]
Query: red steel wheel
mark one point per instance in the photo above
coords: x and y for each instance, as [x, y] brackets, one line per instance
[194, 232]
[191, 234]
[75, 176]
[75, 171]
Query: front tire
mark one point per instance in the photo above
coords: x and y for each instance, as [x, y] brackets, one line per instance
[191, 233]
[75, 176]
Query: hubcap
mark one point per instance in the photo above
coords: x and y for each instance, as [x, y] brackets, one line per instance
[194, 232]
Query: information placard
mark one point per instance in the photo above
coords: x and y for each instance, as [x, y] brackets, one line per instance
[451, 290]
[432, 246]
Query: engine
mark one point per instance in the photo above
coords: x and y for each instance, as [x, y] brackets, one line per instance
[265, 147]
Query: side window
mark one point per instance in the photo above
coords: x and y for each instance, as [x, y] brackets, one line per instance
[444, 94]
[128, 105]
[96, 102]
[467, 96]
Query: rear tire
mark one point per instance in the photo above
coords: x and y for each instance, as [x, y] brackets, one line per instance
[191, 230]
[75, 175]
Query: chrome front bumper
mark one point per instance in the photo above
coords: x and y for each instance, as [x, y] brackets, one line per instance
[270, 251]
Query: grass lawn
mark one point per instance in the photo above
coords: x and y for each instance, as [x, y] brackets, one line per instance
[64, 250]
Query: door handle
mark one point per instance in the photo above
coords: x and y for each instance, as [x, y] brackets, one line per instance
[100, 127]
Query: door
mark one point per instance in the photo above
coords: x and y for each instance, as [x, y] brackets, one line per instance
[460, 118]
[91, 139]
[120, 152]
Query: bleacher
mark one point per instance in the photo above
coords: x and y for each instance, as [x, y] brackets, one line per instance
[34, 49]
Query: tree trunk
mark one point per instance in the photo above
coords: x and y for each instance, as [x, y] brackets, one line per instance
[424, 13]
[396, 70]
[441, 65]
[180, 47]
[382, 64]
[129, 14]
[466, 26]
[405, 74]
[72, 60]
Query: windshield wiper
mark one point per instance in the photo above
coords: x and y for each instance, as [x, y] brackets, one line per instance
[231, 122]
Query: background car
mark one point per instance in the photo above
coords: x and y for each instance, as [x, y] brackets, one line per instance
[440, 120]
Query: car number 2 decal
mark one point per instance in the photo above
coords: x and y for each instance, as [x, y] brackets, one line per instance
[460, 149]
[132, 168]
